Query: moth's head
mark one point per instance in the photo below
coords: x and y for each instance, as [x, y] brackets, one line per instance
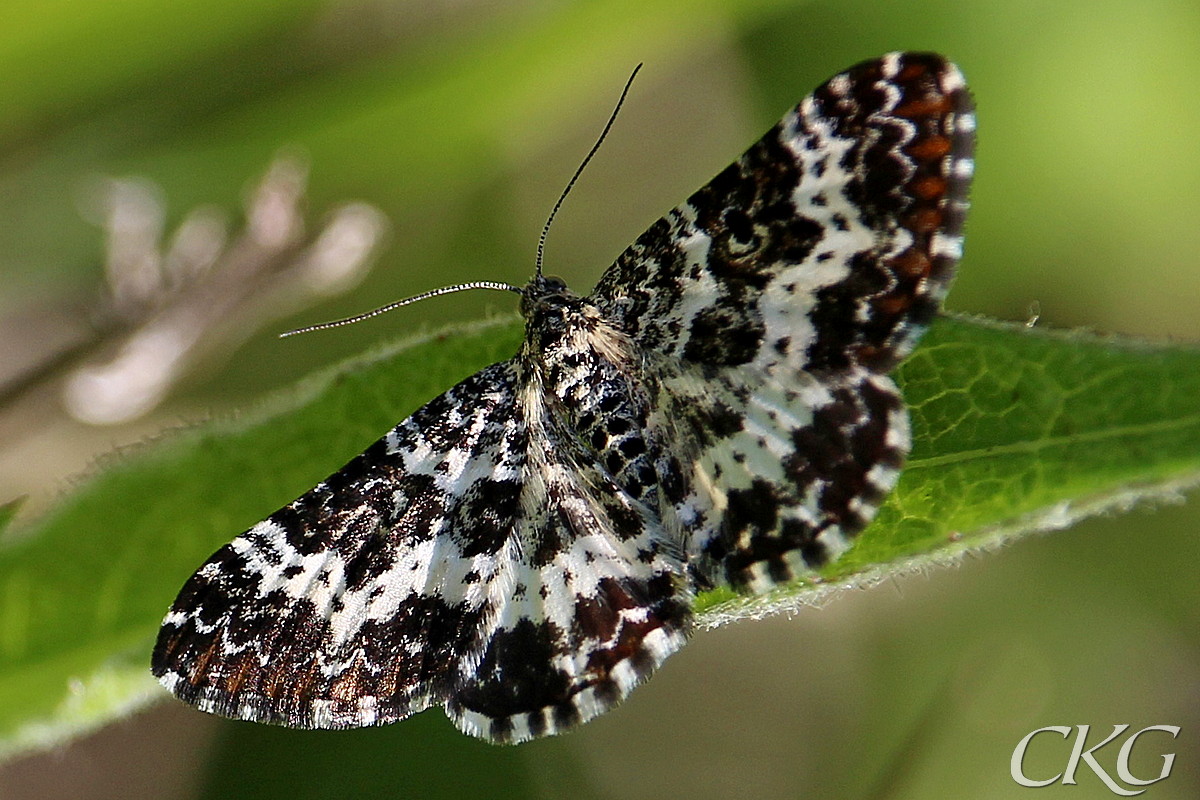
[546, 300]
[551, 311]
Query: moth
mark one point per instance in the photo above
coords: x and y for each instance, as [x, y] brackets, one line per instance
[524, 550]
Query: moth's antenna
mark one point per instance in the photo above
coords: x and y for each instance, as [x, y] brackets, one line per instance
[505, 287]
[541, 247]
[462, 287]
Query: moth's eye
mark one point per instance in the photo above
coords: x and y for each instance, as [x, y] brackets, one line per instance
[555, 283]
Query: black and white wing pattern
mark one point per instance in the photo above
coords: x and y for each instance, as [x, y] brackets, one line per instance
[780, 295]
[477, 556]
[524, 549]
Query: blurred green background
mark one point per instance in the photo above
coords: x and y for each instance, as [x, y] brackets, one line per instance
[462, 120]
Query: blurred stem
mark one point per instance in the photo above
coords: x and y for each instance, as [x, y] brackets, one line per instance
[171, 302]
[53, 367]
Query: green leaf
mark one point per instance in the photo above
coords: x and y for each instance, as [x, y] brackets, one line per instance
[1009, 438]
[1017, 430]
[82, 589]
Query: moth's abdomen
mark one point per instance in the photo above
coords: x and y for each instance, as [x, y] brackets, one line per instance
[603, 398]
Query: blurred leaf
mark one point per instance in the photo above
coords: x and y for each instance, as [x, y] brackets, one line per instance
[406, 105]
[1009, 437]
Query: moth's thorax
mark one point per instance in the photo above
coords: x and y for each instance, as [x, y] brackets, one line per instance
[593, 375]
[565, 330]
